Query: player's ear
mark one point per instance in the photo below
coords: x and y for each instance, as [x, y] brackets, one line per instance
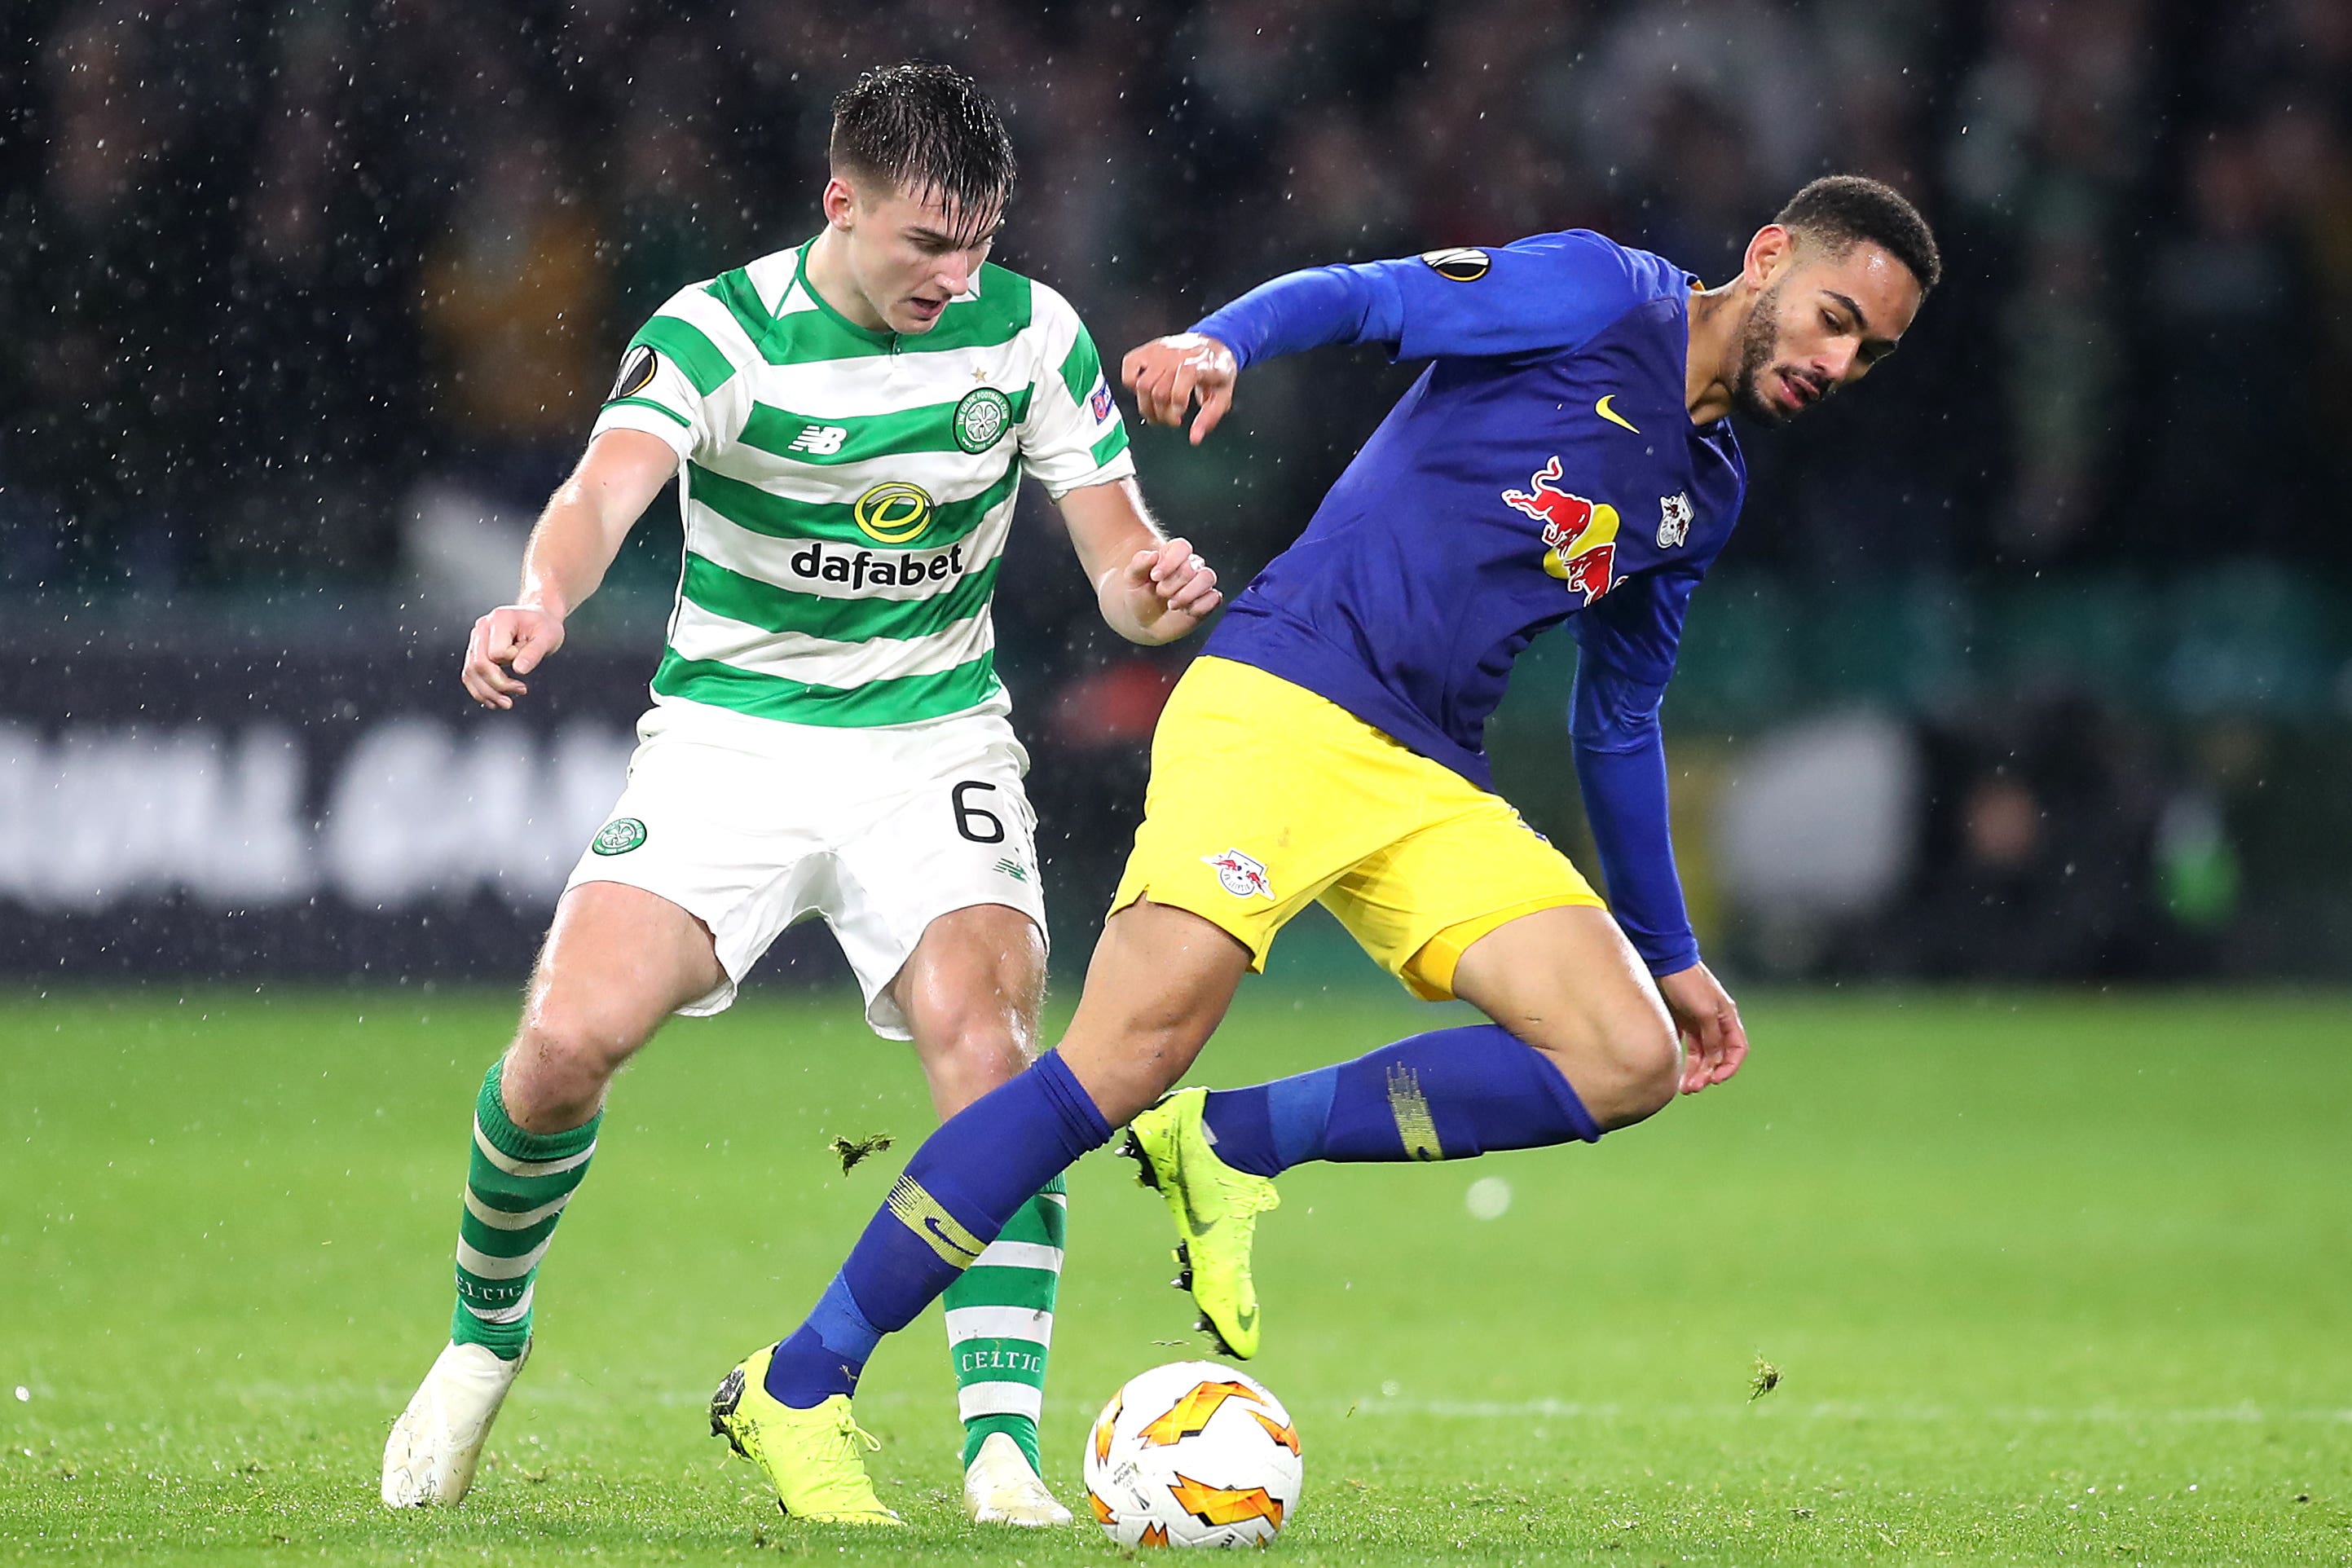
[840, 200]
[1770, 254]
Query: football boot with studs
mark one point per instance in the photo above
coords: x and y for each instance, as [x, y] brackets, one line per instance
[1215, 1208]
[815, 1458]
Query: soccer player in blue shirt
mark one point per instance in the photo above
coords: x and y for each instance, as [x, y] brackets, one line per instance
[1566, 456]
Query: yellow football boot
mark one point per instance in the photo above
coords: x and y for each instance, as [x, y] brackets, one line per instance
[1215, 1208]
[813, 1458]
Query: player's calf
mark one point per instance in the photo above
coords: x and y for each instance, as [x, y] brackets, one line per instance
[971, 992]
[1452, 1094]
[1158, 987]
[617, 960]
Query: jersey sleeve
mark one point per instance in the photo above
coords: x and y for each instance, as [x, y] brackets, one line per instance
[1626, 644]
[681, 377]
[1073, 435]
[1546, 292]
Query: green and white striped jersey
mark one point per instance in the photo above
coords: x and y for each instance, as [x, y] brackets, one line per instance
[847, 493]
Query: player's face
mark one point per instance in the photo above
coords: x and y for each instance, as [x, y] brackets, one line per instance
[911, 255]
[1820, 325]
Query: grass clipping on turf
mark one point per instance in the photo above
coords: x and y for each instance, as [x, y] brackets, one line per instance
[854, 1150]
[1763, 1380]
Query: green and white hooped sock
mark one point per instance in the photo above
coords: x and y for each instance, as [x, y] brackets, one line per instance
[1000, 1315]
[515, 1191]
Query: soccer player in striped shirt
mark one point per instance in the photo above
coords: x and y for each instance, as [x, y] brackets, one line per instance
[848, 422]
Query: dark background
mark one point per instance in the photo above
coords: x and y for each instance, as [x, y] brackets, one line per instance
[307, 306]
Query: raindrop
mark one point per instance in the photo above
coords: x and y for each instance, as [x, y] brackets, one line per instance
[1489, 1198]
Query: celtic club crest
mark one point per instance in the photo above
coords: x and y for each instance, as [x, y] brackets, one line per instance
[982, 419]
[619, 836]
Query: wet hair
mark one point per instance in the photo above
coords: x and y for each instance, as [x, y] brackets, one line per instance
[1837, 211]
[930, 131]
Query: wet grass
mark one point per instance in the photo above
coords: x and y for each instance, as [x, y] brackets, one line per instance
[2044, 1278]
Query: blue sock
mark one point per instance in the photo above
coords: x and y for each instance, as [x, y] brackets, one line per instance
[963, 1184]
[1447, 1095]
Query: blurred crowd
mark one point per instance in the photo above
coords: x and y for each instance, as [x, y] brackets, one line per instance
[275, 269]
[319, 297]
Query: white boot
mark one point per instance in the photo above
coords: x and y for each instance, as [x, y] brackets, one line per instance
[437, 1441]
[1001, 1489]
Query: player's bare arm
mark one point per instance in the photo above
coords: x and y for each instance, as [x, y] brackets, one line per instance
[1168, 375]
[1152, 589]
[571, 548]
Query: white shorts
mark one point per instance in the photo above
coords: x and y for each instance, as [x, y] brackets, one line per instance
[751, 825]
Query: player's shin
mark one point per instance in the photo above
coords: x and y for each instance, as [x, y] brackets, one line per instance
[1000, 1322]
[516, 1189]
[1446, 1095]
[956, 1196]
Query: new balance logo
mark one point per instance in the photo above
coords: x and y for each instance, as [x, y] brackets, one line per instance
[819, 440]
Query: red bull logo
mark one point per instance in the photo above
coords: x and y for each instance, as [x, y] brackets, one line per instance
[1580, 536]
[1239, 874]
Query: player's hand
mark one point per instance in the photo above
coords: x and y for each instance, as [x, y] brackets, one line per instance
[506, 645]
[1171, 590]
[1714, 1043]
[1167, 374]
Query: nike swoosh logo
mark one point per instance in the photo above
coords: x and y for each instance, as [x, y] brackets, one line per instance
[1192, 1212]
[1611, 416]
[946, 1240]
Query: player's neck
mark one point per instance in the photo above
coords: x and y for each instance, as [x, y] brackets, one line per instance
[1714, 320]
[829, 275]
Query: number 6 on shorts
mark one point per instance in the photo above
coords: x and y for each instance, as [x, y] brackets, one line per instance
[967, 815]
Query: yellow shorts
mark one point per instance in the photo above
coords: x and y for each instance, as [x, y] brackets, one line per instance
[1265, 797]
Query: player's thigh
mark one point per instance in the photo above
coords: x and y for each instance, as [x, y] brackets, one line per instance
[1470, 866]
[725, 822]
[970, 992]
[617, 961]
[1158, 987]
[936, 897]
[1566, 981]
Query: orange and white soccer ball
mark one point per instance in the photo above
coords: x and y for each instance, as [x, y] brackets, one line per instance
[1194, 1454]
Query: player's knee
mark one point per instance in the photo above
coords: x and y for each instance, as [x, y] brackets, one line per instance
[576, 1040]
[1623, 1068]
[986, 1049]
[1645, 1063]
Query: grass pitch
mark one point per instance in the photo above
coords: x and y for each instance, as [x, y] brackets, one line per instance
[2042, 1277]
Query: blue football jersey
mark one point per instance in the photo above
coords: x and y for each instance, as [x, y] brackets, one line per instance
[1543, 468]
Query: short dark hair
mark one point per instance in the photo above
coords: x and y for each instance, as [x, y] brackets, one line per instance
[1838, 210]
[930, 131]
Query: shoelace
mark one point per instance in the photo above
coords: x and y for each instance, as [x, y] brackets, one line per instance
[852, 1433]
